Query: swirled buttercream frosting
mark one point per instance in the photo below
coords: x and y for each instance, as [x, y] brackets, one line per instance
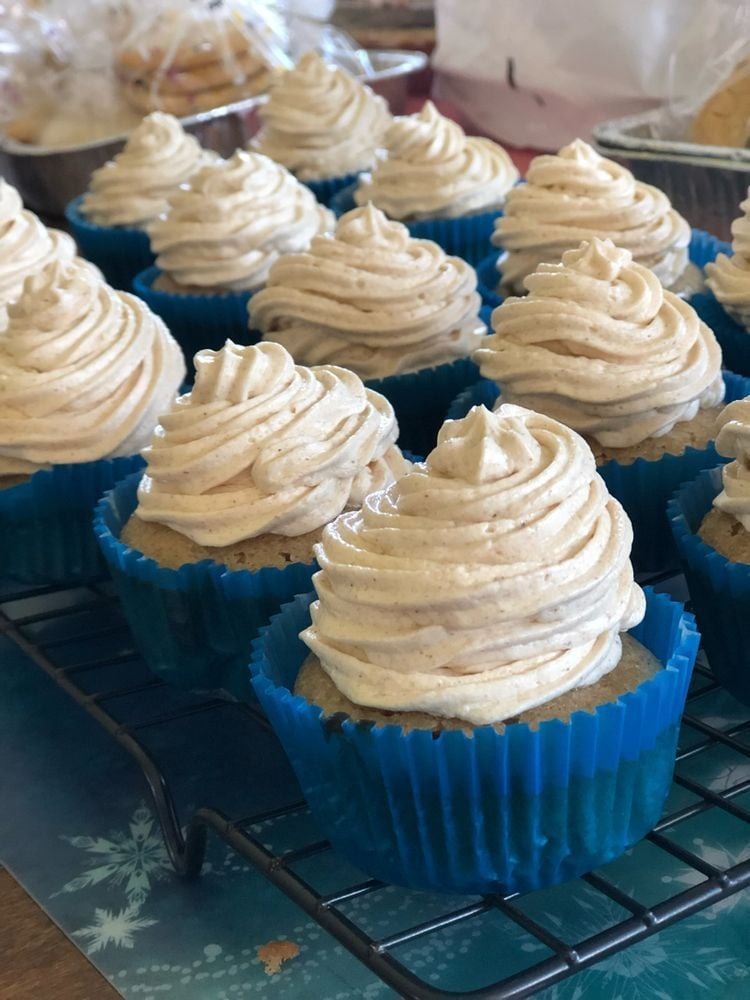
[236, 217]
[262, 445]
[26, 245]
[372, 299]
[601, 346]
[85, 371]
[729, 277]
[433, 170]
[733, 441]
[487, 581]
[577, 195]
[320, 122]
[135, 187]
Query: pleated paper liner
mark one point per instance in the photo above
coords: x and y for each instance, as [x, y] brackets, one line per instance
[719, 589]
[119, 252]
[198, 321]
[45, 523]
[491, 812]
[194, 626]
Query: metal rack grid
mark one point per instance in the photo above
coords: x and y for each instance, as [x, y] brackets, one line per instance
[186, 844]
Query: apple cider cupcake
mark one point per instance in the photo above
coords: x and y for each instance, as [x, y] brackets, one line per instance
[464, 708]
[242, 474]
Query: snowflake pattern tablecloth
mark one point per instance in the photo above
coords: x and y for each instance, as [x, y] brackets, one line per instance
[80, 834]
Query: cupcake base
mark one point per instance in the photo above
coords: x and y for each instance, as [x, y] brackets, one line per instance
[170, 549]
[197, 321]
[495, 812]
[636, 665]
[726, 535]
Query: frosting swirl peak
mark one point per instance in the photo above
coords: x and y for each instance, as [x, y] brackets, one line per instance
[601, 346]
[371, 298]
[262, 445]
[579, 195]
[319, 121]
[433, 170]
[84, 371]
[135, 187]
[236, 217]
[487, 581]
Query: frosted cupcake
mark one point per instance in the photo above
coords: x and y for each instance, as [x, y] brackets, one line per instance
[601, 346]
[216, 245]
[447, 186]
[84, 373]
[109, 221]
[469, 625]
[322, 124]
[26, 245]
[375, 300]
[579, 195]
[242, 474]
[710, 518]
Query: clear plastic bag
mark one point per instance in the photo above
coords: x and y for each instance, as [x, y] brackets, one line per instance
[538, 73]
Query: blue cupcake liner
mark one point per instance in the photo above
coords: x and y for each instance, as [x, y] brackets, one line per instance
[467, 237]
[325, 189]
[719, 589]
[643, 487]
[488, 278]
[198, 321]
[119, 252]
[421, 399]
[494, 812]
[705, 248]
[733, 338]
[45, 523]
[194, 626]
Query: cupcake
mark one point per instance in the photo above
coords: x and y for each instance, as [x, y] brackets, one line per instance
[600, 345]
[109, 221]
[216, 244]
[710, 519]
[242, 474]
[445, 185]
[26, 245]
[322, 124]
[579, 195]
[469, 715]
[84, 373]
[394, 309]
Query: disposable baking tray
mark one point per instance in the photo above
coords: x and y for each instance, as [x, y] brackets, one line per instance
[49, 177]
[705, 183]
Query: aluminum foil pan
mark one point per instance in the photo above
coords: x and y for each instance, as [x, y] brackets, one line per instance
[48, 177]
[704, 183]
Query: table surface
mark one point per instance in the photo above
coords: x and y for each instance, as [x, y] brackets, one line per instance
[38, 960]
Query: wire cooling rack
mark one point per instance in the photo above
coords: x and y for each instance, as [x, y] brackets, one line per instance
[80, 640]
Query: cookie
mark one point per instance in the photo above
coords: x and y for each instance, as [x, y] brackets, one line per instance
[724, 120]
[202, 43]
[145, 99]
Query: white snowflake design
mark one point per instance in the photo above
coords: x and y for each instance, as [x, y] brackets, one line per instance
[113, 928]
[132, 859]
